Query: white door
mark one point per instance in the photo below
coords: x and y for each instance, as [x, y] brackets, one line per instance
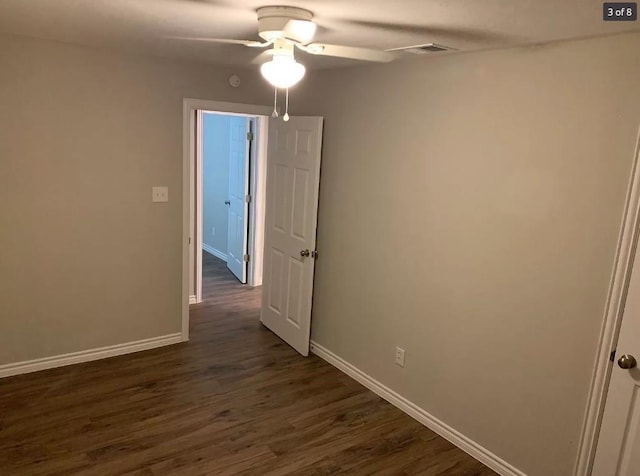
[293, 178]
[618, 450]
[239, 150]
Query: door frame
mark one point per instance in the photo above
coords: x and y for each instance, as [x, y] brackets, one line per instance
[192, 196]
[618, 287]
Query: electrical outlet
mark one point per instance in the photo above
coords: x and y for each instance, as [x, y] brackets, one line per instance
[213, 231]
[399, 356]
[159, 194]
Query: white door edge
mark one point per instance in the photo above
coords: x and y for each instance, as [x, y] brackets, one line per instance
[238, 207]
[258, 168]
[612, 319]
[198, 184]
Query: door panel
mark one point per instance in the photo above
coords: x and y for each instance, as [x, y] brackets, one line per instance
[299, 213]
[292, 205]
[618, 450]
[275, 288]
[239, 151]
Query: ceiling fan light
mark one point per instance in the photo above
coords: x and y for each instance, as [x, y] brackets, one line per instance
[282, 72]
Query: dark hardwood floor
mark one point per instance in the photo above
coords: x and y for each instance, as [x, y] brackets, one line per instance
[233, 400]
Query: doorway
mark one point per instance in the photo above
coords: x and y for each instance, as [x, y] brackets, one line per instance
[281, 214]
[229, 195]
[225, 144]
[193, 110]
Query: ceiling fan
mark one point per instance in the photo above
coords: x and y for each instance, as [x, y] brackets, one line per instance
[284, 29]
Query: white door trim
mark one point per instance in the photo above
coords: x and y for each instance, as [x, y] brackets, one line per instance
[613, 317]
[197, 211]
[189, 108]
[257, 185]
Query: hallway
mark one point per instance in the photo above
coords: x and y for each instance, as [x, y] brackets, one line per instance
[218, 282]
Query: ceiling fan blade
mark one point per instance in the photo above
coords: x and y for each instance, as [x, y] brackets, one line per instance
[351, 52]
[263, 57]
[249, 43]
[212, 2]
[430, 31]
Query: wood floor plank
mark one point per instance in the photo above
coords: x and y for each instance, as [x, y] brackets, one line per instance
[234, 400]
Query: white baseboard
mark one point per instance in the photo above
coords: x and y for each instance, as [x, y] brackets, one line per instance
[28, 366]
[214, 252]
[466, 444]
[192, 299]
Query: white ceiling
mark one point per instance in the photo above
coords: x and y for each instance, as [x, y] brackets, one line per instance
[144, 25]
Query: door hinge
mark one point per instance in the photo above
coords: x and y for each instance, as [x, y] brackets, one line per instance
[247, 198]
[246, 258]
[249, 136]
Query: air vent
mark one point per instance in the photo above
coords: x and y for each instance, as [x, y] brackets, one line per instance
[424, 49]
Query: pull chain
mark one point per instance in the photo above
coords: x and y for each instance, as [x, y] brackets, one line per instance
[285, 118]
[274, 114]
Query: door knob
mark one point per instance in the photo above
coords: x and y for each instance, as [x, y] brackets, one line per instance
[227, 202]
[627, 362]
[305, 253]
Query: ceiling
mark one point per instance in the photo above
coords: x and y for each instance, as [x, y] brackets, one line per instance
[145, 26]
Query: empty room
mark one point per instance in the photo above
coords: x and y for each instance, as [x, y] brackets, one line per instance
[303, 238]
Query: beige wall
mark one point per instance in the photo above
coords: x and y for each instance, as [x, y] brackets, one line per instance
[469, 213]
[86, 260]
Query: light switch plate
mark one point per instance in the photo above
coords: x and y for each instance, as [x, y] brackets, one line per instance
[159, 194]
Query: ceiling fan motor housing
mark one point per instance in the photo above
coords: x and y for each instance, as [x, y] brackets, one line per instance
[272, 21]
